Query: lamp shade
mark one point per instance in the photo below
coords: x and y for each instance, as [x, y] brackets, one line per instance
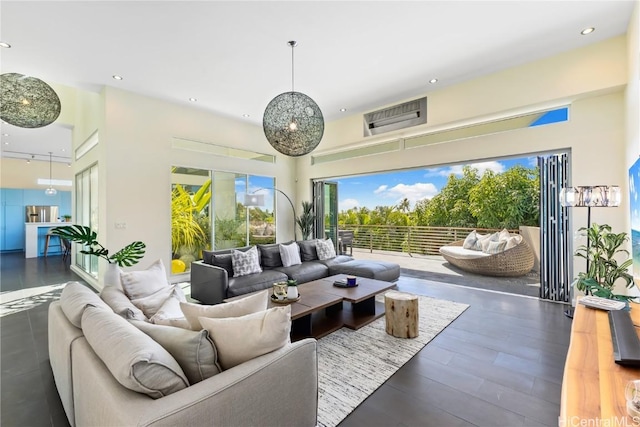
[254, 200]
[293, 124]
[27, 102]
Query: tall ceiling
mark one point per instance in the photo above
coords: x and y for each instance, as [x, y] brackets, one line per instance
[233, 56]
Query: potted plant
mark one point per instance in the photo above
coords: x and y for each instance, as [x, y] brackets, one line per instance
[125, 257]
[306, 219]
[604, 269]
[67, 218]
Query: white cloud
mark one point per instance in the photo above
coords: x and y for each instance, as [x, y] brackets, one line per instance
[494, 166]
[413, 192]
[381, 189]
[347, 204]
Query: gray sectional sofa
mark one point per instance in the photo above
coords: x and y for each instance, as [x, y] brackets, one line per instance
[88, 376]
[212, 279]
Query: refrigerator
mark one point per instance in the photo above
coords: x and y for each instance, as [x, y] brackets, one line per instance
[41, 214]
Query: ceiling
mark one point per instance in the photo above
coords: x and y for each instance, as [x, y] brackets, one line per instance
[233, 57]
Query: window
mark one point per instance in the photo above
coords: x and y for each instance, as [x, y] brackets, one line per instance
[208, 212]
[87, 214]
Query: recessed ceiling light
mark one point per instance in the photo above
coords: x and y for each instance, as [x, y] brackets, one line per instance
[69, 165]
[246, 115]
[432, 81]
[192, 99]
[587, 31]
[5, 134]
[343, 109]
[6, 143]
[116, 77]
[63, 150]
[5, 45]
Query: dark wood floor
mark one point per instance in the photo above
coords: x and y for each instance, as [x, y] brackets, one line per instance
[499, 364]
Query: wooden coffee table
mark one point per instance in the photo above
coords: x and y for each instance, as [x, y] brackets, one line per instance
[324, 308]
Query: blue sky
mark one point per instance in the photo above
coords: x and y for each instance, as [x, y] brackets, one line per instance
[390, 188]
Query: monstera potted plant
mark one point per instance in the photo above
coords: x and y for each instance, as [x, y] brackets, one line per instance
[603, 254]
[125, 257]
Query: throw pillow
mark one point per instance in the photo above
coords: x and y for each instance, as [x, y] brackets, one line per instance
[308, 250]
[134, 359]
[223, 261]
[488, 239]
[270, 255]
[245, 263]
[290, 254]
[139, 284]
[193, 350]
[326, 249]
[495, 247]
[240, 307]
[75, 298]
[239, 339]
[513, 241]
[115, 298]
[150, 304]
[470, 241]
[170, 310]
[504, 234]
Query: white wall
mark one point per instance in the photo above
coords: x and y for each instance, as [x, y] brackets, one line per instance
[135, 158]
[591, 79]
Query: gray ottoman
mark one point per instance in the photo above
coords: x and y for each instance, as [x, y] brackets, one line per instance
[379, 270]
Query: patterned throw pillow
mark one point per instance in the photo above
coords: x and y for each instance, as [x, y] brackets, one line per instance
[326, 249]
[487, 240]
[245, 262]
[495, 247]
[290, 254]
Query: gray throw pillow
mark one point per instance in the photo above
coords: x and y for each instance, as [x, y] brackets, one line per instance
[308, 250]
[75, 298]
[115, 298]
[193, 350]
[134, 359]
[270, 255]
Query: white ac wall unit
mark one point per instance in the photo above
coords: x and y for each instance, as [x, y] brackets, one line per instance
[399, 116]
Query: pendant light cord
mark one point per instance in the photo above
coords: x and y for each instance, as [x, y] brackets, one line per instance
[50, 175]
[292, 69]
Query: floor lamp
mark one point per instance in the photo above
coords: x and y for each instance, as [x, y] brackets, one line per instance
[257, 200]
[588, 196]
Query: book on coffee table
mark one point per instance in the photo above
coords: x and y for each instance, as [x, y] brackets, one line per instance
[343, 284]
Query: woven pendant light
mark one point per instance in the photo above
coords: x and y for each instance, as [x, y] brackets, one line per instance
[27, 102]
[293, 122]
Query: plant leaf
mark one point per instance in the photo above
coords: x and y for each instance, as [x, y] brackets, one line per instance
[129, 255]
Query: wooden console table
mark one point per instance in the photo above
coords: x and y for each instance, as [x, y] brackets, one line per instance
[593, 384]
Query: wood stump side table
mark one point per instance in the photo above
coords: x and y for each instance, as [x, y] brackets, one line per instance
[401, 314]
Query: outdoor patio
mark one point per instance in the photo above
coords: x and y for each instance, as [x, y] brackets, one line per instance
[435, 268]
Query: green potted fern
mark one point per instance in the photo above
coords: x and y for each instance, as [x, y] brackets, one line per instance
[604, 269]
[306, 219]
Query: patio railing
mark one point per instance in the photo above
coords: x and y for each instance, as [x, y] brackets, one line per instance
[419, 240]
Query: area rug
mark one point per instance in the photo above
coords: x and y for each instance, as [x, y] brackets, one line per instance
[353, 364]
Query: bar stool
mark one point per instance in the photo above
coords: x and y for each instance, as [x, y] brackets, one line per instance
[48, 243]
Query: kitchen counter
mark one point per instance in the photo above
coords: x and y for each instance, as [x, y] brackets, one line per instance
[32, 231]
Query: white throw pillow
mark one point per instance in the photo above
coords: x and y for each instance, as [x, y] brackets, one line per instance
[150, 304]
[170, 312]
[239, 339]
[290, 254]
[240, 307]
[245, 262]
[470, 241]
[513, 241]
[326, 249]
[503, 235]
[139, 284]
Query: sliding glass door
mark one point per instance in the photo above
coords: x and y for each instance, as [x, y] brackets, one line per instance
[325, 204]
[208, 212]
